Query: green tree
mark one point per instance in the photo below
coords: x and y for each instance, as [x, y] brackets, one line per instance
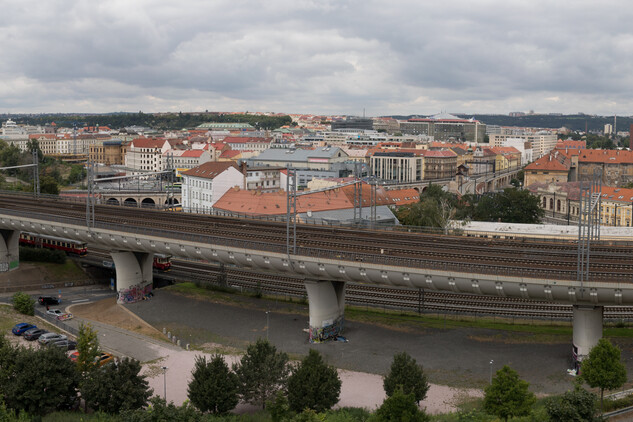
[49, 185]
[43, 380]
[407, 375]
[313, 384]
[23, 303]
[510, 206]
[603, 369]
[213, 387]
[400, 407]
[88, 347]
[435, 209]
[116, 388]
[578, 405]
[77, 174]
[262, 372]
[279, 408]
[159, 411]
[508, 395]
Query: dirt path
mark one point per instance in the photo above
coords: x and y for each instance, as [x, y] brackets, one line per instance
[108, 312]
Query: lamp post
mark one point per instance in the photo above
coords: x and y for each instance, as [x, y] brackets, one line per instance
[267, 319]
[165, 383]
[491, 362]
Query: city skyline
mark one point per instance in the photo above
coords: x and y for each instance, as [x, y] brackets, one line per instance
[325, 57]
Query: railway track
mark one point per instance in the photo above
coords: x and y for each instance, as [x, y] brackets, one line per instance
[523, 258]
[414, 300]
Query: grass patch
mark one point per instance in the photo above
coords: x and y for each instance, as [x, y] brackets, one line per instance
[411, 321]
[215, 293]
[66, 271]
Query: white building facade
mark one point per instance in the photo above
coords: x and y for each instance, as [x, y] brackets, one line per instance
[204, 185]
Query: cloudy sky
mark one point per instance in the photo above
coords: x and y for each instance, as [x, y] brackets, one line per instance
[321, 56]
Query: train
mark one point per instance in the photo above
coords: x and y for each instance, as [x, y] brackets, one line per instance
[70, 246]
[162, 262]
[77, 247]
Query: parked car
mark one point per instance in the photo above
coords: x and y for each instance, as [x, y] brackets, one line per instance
[20, 328]
[102, 358]
[50, 337]
[34, 334]
[49, 300]
[64, 344]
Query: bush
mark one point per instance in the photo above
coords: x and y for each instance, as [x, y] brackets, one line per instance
[23, 303]
[42, 255]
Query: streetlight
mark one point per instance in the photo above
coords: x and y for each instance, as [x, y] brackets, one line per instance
[165, 383]
[267, 313]
[491, 362]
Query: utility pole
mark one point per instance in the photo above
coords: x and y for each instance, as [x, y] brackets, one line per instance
[36, 173]
[291, 210]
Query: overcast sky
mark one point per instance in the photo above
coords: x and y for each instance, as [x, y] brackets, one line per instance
[320, 57]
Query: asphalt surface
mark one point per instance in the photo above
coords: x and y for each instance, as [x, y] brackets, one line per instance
[458, 357]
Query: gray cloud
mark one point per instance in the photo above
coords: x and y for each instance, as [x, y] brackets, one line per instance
[316, 56]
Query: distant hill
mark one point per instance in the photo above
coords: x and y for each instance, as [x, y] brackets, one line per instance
[163, 121]
[571, 121]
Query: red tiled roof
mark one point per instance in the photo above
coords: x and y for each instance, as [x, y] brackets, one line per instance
[195, 153]
[610, 193]
[505, 150]
[210, 169]
[230, 153]
[148, 143]
[570, 144]
[550, 162]
[42, 135]
[605, 156]
[258, 203]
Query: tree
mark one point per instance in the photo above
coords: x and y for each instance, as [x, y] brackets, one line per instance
[400, 407]
[436, 208]
[508, 395]
[262, 372]
[77, 174]
[42, 381]
[407, 375]
[279, 408]
[213, 387]
[510, 206]
[116, 388]
[159, 411]
[49, 185]
[23, 303]
[577, 405]
[313, 384]
[88, 347]
[602, 368]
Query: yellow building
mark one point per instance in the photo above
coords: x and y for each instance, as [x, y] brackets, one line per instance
[616, 206]
[553, 167]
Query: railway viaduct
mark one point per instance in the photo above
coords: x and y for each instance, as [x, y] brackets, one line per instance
[132, 198]
[325, 270]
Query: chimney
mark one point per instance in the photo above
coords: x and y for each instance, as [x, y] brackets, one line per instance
[244, 172]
